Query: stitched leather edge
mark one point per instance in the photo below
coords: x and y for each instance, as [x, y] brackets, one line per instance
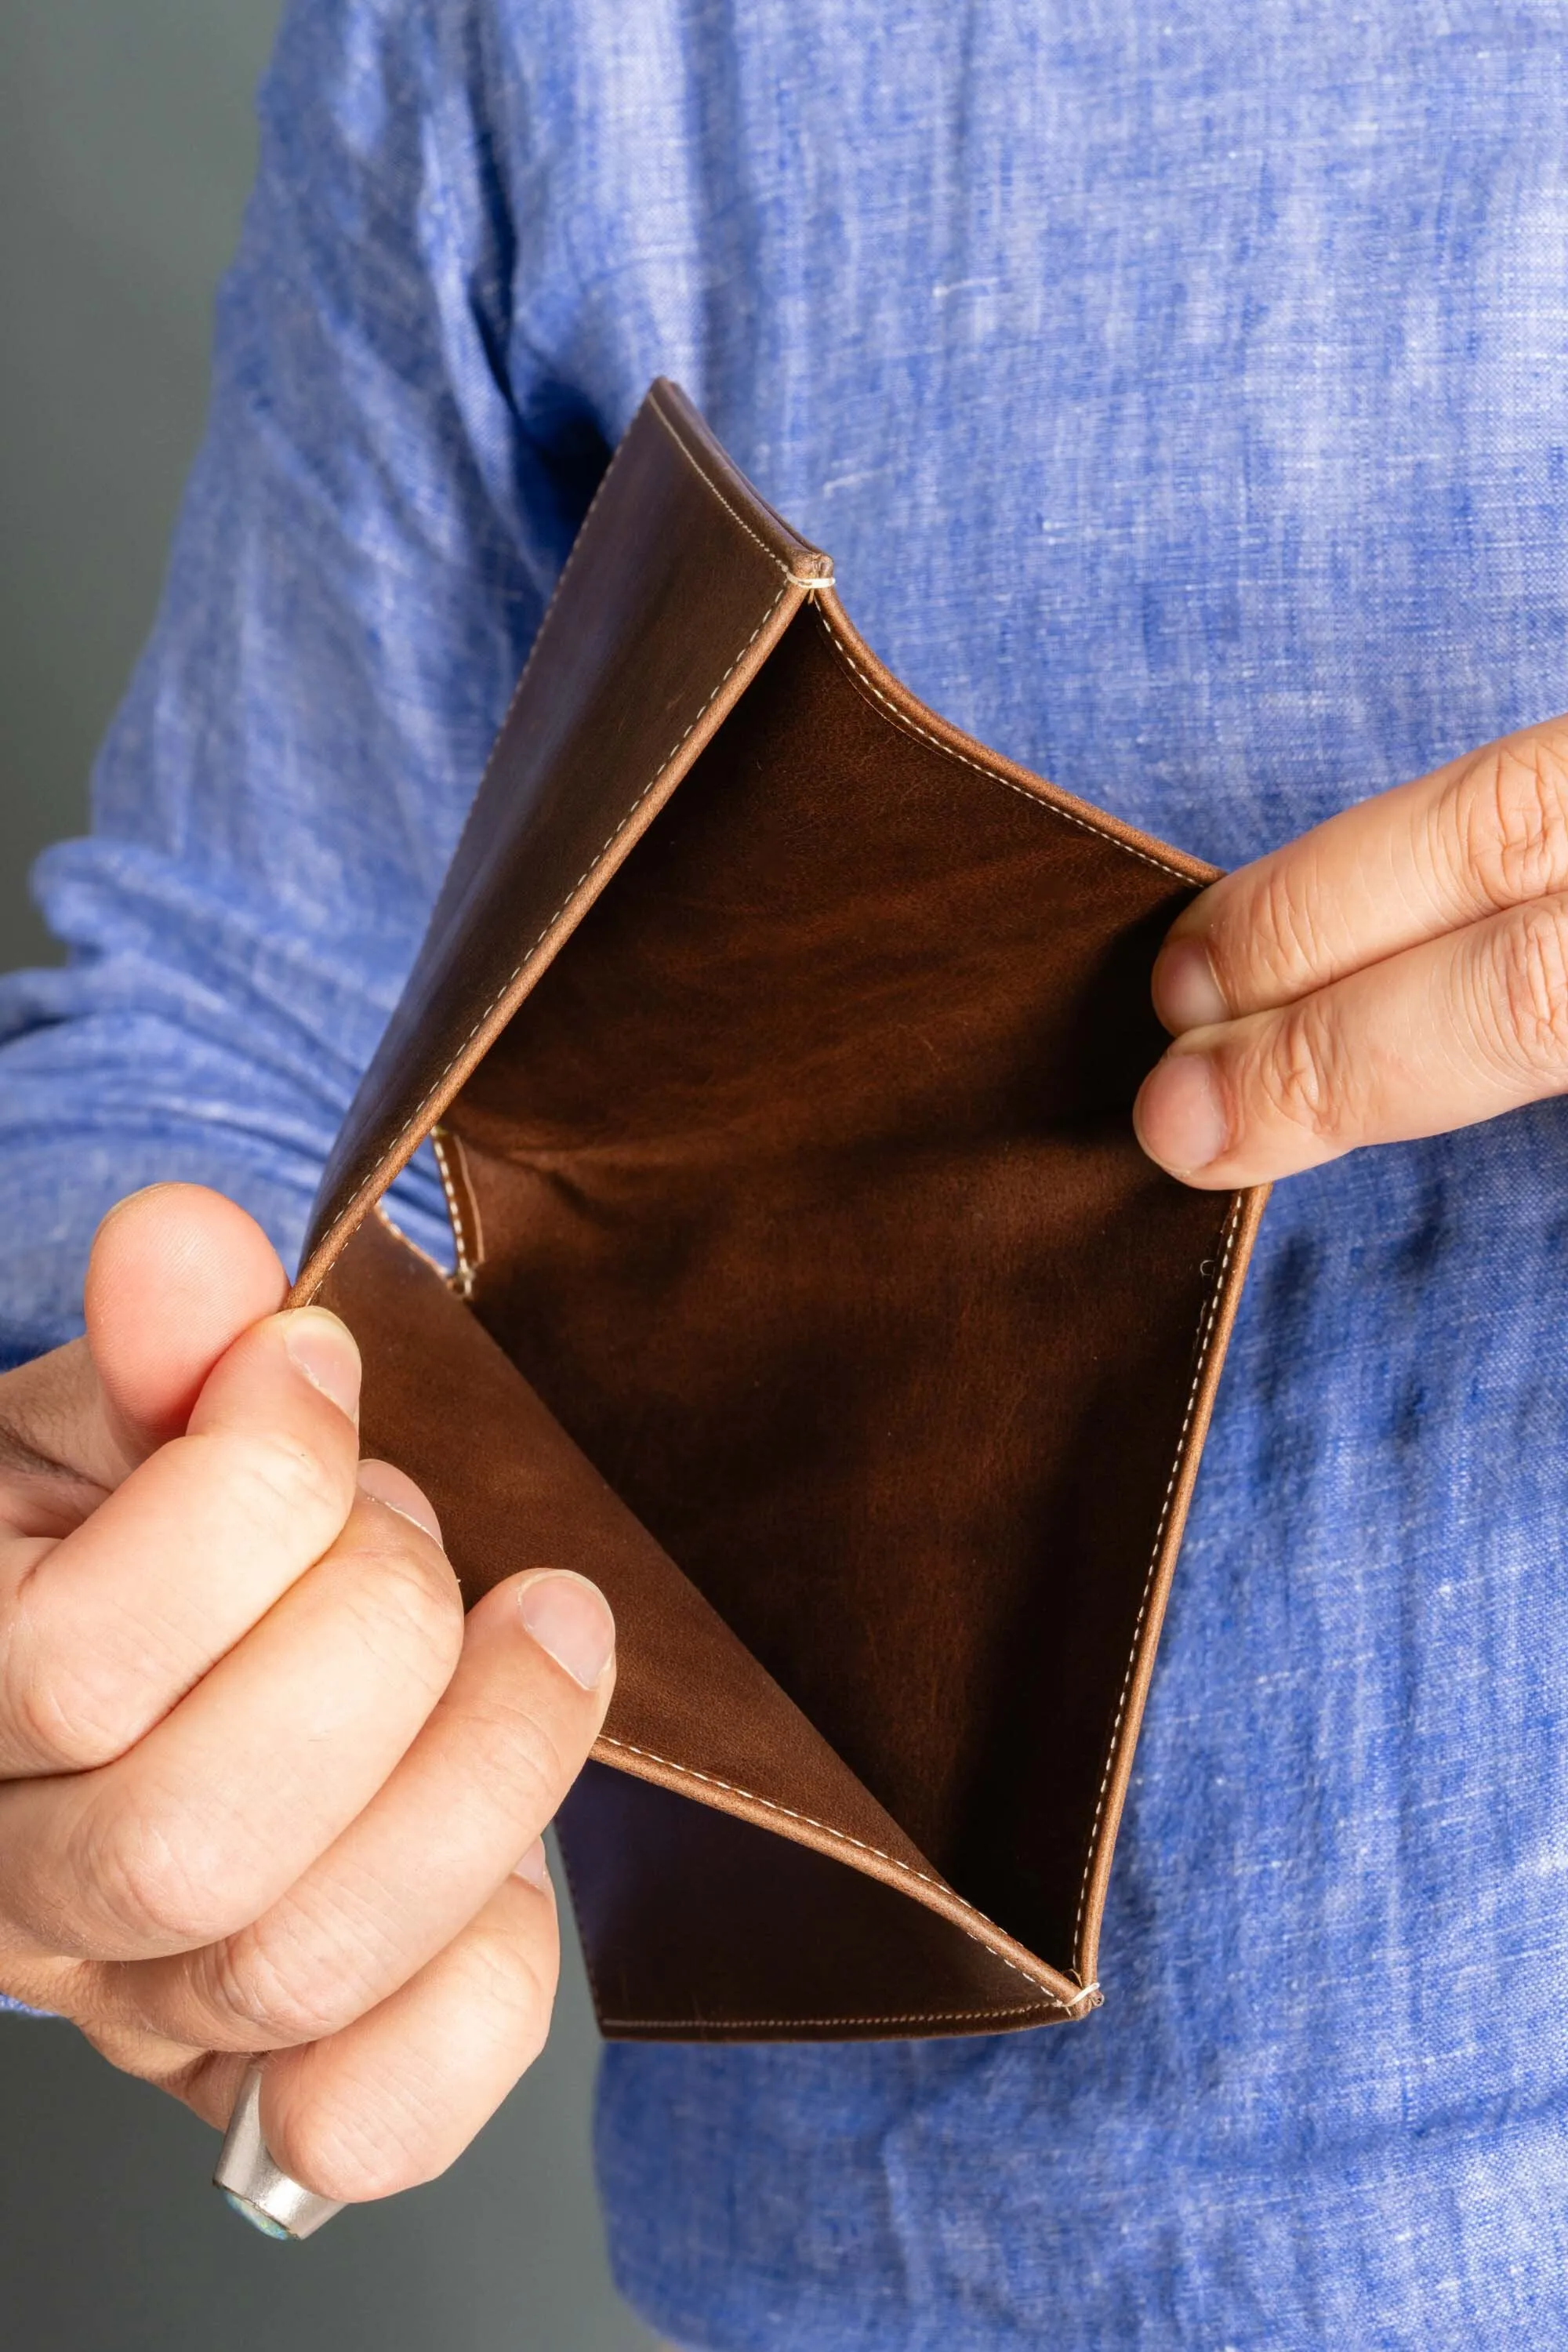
[842, 1837]
[799, 580]
[894, 715]
[887, 710]
[660, 771]
[1207, 1330]
[790, 2025]
[451, 1162]
[689, 2026]
[395, 1230]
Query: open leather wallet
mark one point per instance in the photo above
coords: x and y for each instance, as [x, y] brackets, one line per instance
[812, 1295]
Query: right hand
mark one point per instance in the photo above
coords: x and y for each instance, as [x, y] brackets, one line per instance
[262, 1787]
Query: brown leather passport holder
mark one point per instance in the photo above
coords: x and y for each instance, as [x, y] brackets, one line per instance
[813, 1294]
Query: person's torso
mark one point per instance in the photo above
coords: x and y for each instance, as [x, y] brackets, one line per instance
[1183, 398]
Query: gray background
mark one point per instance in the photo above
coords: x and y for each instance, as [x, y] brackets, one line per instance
[126, 144]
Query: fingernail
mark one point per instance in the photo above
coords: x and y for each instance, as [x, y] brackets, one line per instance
[1179, 1116]
[1186, 994]
[324, 1350]
[534, 1867]
[387, 1485]
[570, 1618]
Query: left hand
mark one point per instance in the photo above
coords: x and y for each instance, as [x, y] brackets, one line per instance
[1400, 970]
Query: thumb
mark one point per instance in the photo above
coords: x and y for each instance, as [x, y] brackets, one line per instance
[176, 1274]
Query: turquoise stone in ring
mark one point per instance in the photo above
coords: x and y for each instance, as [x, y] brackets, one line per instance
[256, 2216]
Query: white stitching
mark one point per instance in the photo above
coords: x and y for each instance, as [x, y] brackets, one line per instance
[1232, 1226]
[817, 580]
[384, 1214]
[550, 603]
[714, 1781]
[842, 1837]
[468, 1266]
[457, 1153]
[758, 2024]
[416, 1118]
[1035, 800]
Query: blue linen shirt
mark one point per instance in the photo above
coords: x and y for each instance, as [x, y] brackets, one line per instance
[1183, 394]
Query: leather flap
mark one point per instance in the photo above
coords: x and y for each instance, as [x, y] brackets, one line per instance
[610, 712]
[694, 1713]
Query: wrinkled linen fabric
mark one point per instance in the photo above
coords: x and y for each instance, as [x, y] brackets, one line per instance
[1183, 394]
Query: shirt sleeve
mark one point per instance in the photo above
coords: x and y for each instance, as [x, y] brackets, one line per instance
[380, 503]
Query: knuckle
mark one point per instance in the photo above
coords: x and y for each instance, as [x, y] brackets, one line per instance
[1529, 989]
[500, 1972]
[551, 1755]
[157, 1888]
[1507, 817]
[346, 2149]
[278, 1482]
[1281, 933]
[409, 1609]
[1302, 1075]
[56, 1719]
[532, 1758]
[68, 1704]
[282, 1998]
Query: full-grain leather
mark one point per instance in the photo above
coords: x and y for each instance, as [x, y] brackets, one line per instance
[792, 1173]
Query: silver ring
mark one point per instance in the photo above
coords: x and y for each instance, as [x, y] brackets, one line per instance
[262, 2194]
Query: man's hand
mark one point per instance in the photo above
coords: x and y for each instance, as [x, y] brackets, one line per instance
[1398, 971]
[261, 1786]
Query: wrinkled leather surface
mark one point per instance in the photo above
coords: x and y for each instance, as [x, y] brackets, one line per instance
[794, 1179]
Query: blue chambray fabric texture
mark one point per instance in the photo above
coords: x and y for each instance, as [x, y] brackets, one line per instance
[1183, 394]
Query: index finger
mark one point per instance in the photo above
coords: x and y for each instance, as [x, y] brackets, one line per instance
[1484, 833]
